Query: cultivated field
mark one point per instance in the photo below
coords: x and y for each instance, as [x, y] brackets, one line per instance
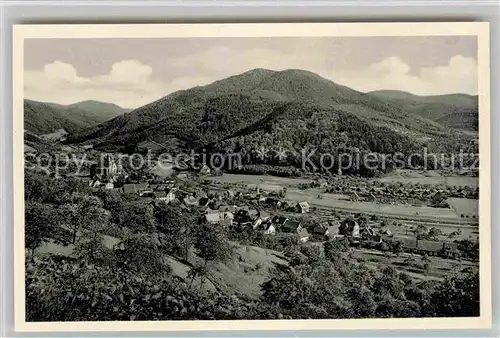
[413, 265]
[429, 177]
[464, 206]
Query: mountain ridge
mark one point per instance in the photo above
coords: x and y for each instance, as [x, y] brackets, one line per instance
[247, 104]
[47, 117]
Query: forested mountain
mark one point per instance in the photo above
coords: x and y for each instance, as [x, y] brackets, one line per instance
[458, 111]
[43, 118]
[291, 109]
[244, 99]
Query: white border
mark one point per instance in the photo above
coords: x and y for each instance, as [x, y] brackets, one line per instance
[481, 30]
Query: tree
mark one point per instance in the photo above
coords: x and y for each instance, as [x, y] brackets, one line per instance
[141, 253]
[177, 227]
[434, 234]
[397, 248]
[212, 244]
[82, 211]
[197, 271]
[334, 249]
[457, 296]
[420, 232]
[90, 245]
[39, 225]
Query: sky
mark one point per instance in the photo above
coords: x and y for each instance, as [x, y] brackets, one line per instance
[133, 72]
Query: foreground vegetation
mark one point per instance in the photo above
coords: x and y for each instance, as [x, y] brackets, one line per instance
[132, 279]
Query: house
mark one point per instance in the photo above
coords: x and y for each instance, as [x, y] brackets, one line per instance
[140, 189]
[349, 227]
[221, 218]
[303, 234]
[439, 199]
[160, 195]
[320, 230]
[270, 229]
[279, 221]
[94, 183]
[109, 185]
[431, 248]
[262, 217]
[205, 170]
[292, 226]
[170, 195]
[450, 249]
[409, 243]
[230, 208]
[159, 187]
[303, 207]
[190, 201]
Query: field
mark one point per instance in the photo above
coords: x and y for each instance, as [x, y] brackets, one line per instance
[317, 197]
[413, 265]
[260, 179]
[429, 177]
[465, 206]
[324, 200]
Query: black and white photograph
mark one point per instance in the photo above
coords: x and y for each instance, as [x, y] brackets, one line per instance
[177, 178]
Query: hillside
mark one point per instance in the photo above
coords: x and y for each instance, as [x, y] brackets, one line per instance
[292, 109]
[46, 118]
[101, 110]
[257, 93]
[459, 111]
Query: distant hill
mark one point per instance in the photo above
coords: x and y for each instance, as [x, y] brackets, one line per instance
[458, 111]
[101, 110]
[46, 118]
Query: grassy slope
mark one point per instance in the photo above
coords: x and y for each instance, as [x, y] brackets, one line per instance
[243, 274]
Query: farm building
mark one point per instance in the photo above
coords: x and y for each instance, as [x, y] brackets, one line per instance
[279, 221]
[163, 196]
[303, 207]
[320, 230]
[450, 249]
[294, 227]
[269, 229]
[429, 247]
[409, 243]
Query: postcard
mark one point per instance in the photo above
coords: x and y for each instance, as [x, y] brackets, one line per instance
[305, 176]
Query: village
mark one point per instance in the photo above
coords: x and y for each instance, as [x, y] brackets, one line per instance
[267, 210]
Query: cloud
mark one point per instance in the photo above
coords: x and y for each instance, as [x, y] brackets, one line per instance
[458, 76]
[131, 83]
